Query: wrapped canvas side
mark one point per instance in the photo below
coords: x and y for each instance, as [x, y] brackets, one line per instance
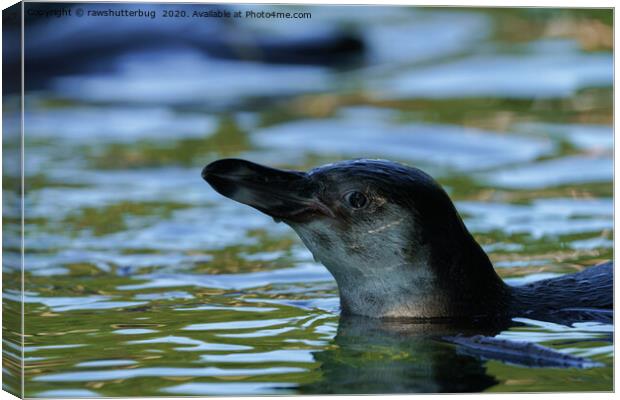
[12, 204]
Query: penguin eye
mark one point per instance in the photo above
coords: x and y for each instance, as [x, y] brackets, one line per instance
[356, 199]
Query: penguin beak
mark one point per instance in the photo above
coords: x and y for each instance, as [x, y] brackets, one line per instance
[281, 194]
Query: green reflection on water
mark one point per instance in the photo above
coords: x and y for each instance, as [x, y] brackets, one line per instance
[227, 140]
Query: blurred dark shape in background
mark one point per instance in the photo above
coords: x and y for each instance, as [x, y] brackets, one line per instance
[65, 43]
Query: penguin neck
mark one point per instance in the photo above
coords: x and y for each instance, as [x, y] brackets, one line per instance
[442, 278]
[468, 283]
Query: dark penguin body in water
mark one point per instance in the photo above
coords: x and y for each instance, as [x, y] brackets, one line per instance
[396, 245]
